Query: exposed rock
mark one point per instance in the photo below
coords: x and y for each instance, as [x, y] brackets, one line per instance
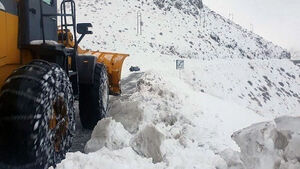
[191, 7]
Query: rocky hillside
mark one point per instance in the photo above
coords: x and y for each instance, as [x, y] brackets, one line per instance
[182, 28]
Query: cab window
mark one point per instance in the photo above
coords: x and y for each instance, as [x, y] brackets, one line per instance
[49, 2]
[2, 6]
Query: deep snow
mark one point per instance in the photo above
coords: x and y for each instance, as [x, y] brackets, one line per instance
[167, 118]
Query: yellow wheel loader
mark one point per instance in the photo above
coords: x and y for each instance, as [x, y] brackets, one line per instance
[42, 70]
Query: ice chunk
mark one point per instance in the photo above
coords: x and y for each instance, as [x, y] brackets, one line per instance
[257, 146]
[147, 143]
[110, 134]
[268, 145]
[127, 113]
[232, 159]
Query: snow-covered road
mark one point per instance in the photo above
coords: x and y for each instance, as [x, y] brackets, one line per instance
[81, 135]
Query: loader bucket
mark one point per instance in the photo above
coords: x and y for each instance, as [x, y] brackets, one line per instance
[113, 63]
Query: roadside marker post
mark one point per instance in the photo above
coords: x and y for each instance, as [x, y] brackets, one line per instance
[139, 23]
[180, 66]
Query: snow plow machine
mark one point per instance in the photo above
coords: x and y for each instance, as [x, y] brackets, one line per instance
[42, 72]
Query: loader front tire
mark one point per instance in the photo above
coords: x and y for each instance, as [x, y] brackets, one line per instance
[93, 98]
[36, 117]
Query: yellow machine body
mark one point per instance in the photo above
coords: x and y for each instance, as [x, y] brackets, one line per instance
[11, 57]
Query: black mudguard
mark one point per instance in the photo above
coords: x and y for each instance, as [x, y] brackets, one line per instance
[86, 68]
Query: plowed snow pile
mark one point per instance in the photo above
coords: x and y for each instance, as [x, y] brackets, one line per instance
[267, 145]
[167, 118]
[174, 124]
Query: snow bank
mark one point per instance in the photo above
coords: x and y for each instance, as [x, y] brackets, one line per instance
[186, 154]
[109, 134]
[124, 158]
[267, 145]
[174, 124]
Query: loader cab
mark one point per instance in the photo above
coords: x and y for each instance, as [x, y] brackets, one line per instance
[30, 20]
[39, 21]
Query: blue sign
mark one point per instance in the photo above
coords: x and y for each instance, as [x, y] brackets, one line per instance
[179, 64]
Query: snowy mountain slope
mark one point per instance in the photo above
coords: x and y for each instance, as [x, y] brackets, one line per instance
[187, 31]
[277, 20]
[268, 87]
[182, 119]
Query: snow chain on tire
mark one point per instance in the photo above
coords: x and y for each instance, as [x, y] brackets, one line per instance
[37, 120]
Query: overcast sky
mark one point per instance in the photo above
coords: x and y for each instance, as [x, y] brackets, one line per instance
[275, 20]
